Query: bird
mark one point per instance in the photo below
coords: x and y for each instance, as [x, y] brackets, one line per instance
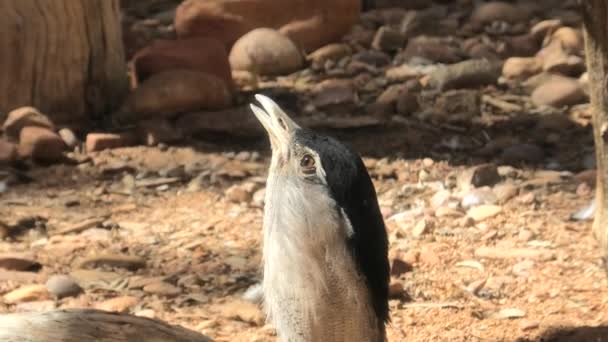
[326, 272]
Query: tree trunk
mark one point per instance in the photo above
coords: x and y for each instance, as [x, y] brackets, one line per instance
[83, 325]
[595, 16]
[65, 57]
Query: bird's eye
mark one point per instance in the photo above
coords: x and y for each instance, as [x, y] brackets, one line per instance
[307, 163]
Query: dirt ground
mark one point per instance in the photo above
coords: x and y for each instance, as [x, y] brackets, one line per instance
[203, 237]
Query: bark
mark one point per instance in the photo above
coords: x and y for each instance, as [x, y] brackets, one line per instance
[595, 17]
[65, 57]
[84, 325]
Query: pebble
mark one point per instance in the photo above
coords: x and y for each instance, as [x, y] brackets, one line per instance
[514, 253]
[19, 262]
[396, 290]
[113, 260]
[498, 11]
[424, 226]
[62, 286]
[162, 288]
[41, 144]
[468, 74]
[117, 304]
[243, 311]
[20, 118]
[484, 212]
[560, 91]
[388, 39]
[399, 267]
[101, 141]
[28, 293]
[266, 52]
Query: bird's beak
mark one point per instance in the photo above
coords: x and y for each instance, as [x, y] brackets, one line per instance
[279, 126]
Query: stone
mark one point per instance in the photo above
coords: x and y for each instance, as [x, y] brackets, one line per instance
[399, 267]
[428, 256]
[523, 45]
[22, 117]
[155, 131]
[333, 92]
[239, 193]
[468, 74]
[505, 192]
[423, 23]
[527, 325]
[513, 253]
[265, 51]
[69, 138]
[478, 176]
[171, 92]
[484, 212]
[543, 28]
[19, 262]
[521, 67]
[407, 103]
[86, 278]
[489, 12]
[309, 23]
[102, 141]
[203, 54]
[41, 144]
[331, 52]
[570, 39]
[8, 152]
[61, 286]
[162, 288]
[396, 290]
[558, 92]
[557, 60]
[435, 49]
[243, 311]
[373, 58]
[424, 226]
[113, 260]
[28, 293]
[478, 196]
[388, 39]
[453, 105]
[117, 304]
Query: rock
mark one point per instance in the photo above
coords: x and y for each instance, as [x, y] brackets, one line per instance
[524, 45]
[407, 103]
[22, 117]
[155, 131]
[424, 226]
[559, 92]
[203, 54]
[424, 23]
[243, 311]
[62, 286]
[396, 290]
[435, 49]
[162, 288]
[452, 105]
[557, 60]
[428, 256]
[259, 198]
[477, 197]
[331, 52]
[492, 11]
[527, 325]
[113, 260]
[265, 51]
[240, 193]
[86, 278]
[28, 293]
[254, 294]
[546, 27]
[570, 39]
[505, 192]
[102, 141]
[478, 176]
[117, 304]
[175, 91]
[513, 253]
[69, 138]
[527, 153]
[8, 152]
[467, 74]
[388, 39]
[399, 267]
[37, 306]
[484, 212]
[521, 67]
[376, 59]
[18, 262]
[41, 144]
[334, 92]
[310, 24]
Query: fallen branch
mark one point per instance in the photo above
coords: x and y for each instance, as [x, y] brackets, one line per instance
[87, 325]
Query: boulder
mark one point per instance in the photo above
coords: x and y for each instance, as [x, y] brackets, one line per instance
[559, 91]
[265, 51]
[309, 23]
[175, 91]
[41, 144]
[24, 117]
[200, 54]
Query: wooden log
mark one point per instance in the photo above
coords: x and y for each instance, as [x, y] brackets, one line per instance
[65, 57]
[88, 325]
